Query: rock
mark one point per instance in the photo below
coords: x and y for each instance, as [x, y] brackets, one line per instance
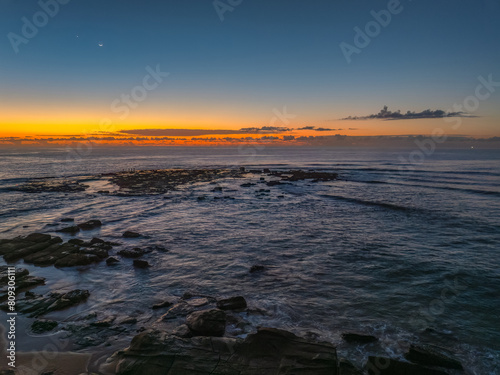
[182, 331]
[269, 351]
[42, 326]
[103, 323]
[97, 251]
[67, 220]
[96, 240]
[257, 268]
[130, 234]
[358, 338]
[131, 253]
[41, 305]
[73, 260]
[111, 260]
[233, 303]
[162, 305]
[347, 368]
[141, 263]
[38, 237]
[432, 356]
[248, 184]
[89, 225]
[71, 230]
[389, 366]
[207, 322]
[129, 321]
[76, 241]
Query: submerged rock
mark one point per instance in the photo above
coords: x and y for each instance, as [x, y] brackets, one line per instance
[257, 268]
[359, 338]
[42, 326]
[89, 225]
[141, 264]
[111, 260]
[233, 303]
[207, 322]
[130, 234]
[72, 230]
[131, 253]
[269, 351]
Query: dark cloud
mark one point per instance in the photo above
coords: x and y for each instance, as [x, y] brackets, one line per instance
[385, 114]
[316, 129]
[307, 128]
[266, 129]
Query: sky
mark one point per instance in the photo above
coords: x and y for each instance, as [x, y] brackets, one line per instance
[166, 69]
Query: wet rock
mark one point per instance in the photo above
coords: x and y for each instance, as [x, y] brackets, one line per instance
[71, 230]
[96, 240]
[207, 322]
[141, 263]
[42, 326]
[269, 351]
[136, 252]
[275, 183]
[73, 260]
[111, 260]
[89, 225]
[67, 220]
[76, 241]
[257, 268]
[358, 338]
[389, 366]
[432, 356]
[130, 234]
[127, 321]
[52, 186]
[97, 251]
[347, 368]
[162, 305]
[104, 322]
[41, 305]
[38, 237]
[233, 303]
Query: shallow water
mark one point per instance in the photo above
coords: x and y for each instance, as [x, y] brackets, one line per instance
[406, 252]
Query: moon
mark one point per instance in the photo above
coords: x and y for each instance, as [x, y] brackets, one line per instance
[101, 44]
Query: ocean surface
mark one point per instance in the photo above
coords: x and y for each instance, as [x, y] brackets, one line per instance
[407, 252]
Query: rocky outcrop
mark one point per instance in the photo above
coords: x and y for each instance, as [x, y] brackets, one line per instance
[43, 250]
[269, 351]
[42, 326]
[130, 234]
[89, 225]
[36, 306]
[23, 281]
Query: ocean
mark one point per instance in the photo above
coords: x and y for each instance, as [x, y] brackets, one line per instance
[406, 252]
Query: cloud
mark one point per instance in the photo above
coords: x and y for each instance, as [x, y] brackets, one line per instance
[266, 129]
[317, 129]
[385, 114]
[202, 132]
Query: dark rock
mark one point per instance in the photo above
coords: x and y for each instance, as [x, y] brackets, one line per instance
[347, 368]
[207, 322]
[76, 241]
[182, 331]
[111, 260]
[141, 263]
[233, 303]
[432, 356]
[217, 188]
[389, 366]
[266, 170]
[162, 305]
[41, 305]
[73, 260]
[131, 253]
[358, 338]
[130, 234]
[129, 321]
[89, 225]
[38, 237]
[248, 184]
[71, 230]
[269, 351]
[67, 220]
[20, 273]
[274, 183]
[42, 326]
[103, 323]
[96, 240]
[257, 268]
